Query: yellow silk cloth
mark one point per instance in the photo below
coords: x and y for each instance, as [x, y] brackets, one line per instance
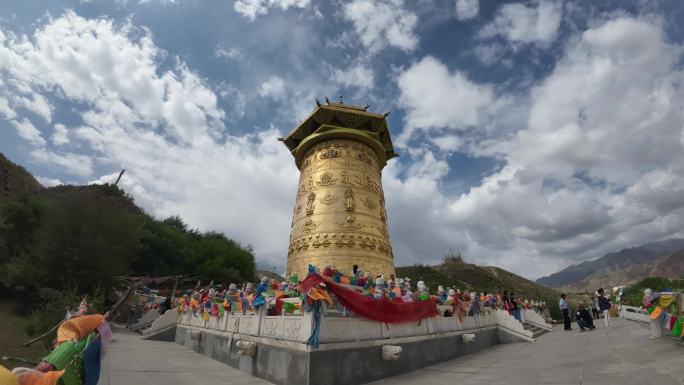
[318, 294]
[665, 300]
[78, 327]
[6, 377]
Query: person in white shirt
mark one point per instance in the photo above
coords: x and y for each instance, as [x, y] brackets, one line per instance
[563, 304]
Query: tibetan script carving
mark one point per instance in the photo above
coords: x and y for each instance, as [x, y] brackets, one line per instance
[345, 177]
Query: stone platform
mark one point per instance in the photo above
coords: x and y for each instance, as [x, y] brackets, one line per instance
[351, 349]
[623, 354]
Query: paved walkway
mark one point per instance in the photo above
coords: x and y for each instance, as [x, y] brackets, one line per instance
[132, 361]
[621, 355]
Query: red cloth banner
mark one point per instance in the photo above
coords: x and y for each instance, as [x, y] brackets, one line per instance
[381, 310]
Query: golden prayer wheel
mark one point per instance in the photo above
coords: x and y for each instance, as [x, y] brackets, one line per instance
[339, 217]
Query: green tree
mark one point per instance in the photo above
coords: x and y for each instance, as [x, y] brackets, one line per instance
[19, 219]
[165, 249]
[217, 257]
[82, 244]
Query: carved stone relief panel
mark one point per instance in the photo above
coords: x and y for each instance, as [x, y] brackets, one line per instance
[291, 328]
[270, 327]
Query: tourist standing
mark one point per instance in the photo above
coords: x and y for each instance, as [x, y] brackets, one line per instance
[506, 302]
[604, 306]
[584, 319]
[514, 306]
[594, 307]
[563, 304]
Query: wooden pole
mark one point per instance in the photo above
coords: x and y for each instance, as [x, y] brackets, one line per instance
[120, 175]
[27, 343]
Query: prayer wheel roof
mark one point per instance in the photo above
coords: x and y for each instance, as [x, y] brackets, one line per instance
[352, 121]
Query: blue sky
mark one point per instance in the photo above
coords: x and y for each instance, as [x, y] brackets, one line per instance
[533, 134]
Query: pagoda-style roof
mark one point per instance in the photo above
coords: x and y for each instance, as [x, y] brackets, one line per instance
[352, 121]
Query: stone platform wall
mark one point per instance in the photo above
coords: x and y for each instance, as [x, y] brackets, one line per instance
[350, 350]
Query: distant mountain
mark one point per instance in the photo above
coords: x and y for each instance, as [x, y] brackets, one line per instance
[14, 179]
[612, 262]
[671, 266]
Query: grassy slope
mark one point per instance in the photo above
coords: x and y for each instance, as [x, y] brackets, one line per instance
[13, 334]
[457, 273]
[461, 274]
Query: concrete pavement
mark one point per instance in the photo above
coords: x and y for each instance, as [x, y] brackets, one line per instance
[622, 354]
[132, 361]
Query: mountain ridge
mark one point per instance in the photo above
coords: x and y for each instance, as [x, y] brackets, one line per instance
[612, 262]
[670, 266]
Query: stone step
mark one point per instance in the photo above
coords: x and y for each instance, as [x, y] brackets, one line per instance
[538, 333]
[536, 330]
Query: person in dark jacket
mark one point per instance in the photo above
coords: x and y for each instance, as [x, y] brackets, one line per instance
[584, 319]
[604, 307]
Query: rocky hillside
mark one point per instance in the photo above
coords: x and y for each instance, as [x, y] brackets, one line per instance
[612, 262]
[14, 179]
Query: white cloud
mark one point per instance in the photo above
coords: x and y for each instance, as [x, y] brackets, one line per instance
[355, 76]
[522, 24]
[61, 135]
[489, 54]
[467, 9]
[80, 165]
[5, 108]
[91, 61]
[382, 22]
[434, 98]
[447, 143]
[48, 182]
[273, 87]
[253, 8]
[28, 131]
